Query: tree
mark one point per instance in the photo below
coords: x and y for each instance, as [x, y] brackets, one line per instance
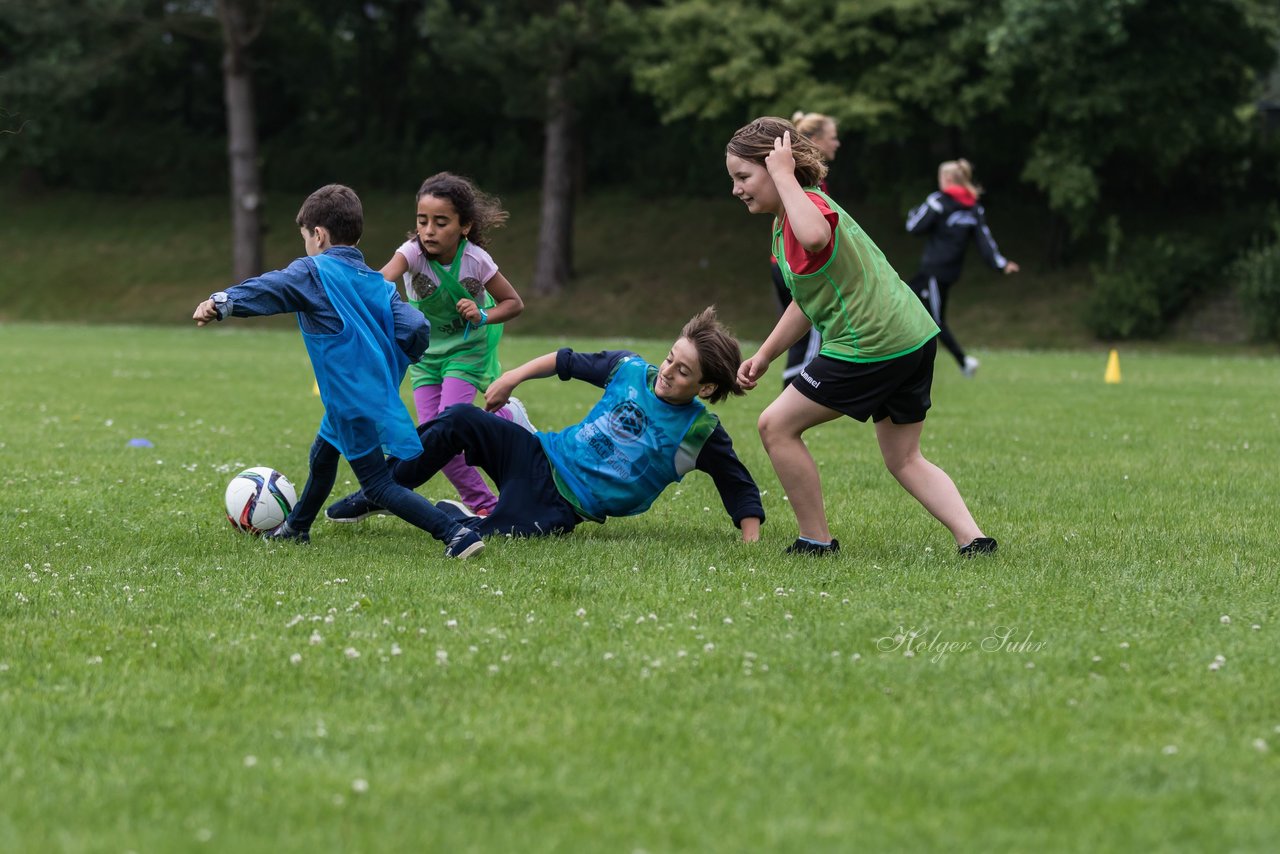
[550, 58]
[76, 68]
[241, 22]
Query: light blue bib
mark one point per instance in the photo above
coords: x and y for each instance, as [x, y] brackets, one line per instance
[359, 369]
[631, 445]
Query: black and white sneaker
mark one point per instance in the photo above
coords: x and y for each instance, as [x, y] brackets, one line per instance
[463, 544]
[804, 547]
[456, 510]
[353, 508]
[980, 546]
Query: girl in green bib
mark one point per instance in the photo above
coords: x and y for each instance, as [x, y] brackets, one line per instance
[451, 279]
[878, 341]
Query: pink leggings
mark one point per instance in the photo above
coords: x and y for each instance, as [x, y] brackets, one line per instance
[430, 401]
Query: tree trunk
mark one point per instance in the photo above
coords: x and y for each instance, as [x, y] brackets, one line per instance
[554, 265]
[238, 29]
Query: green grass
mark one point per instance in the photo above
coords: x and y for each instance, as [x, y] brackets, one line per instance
[649, 684]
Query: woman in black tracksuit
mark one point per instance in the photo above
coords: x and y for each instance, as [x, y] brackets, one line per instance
[950, 218]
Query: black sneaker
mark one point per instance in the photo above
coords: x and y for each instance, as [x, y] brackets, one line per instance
[804, 547]
[456, 510]
[353, 508]
[464, 543]
[980, 546]
[284, 532]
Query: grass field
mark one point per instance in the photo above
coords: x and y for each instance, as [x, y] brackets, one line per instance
[1108, 682]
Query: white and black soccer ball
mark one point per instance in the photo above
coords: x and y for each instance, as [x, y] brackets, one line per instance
[259, 499]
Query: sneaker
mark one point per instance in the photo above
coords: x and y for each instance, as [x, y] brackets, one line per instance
[463, 544]
[804, 547]
[353, 508]
[520, 415]
[284, 532]
[456, 510]
[970, 366]
[980, 546]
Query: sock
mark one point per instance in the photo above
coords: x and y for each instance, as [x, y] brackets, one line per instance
[814, 542]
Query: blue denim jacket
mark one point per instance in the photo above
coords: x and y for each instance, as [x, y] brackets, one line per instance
[297, 288]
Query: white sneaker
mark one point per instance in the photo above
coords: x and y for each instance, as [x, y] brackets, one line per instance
[970, 366]
[520, 415]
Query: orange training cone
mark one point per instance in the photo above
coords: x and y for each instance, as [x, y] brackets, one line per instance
[1112, 375]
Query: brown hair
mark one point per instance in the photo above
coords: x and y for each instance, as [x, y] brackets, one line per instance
[336, 208]
[718, 353]
[754, 141]
[480, 211]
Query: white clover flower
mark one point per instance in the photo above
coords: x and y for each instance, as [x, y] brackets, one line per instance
[316, 638]
[296, 658]
[351, 652]
[1225, 620]
[359, 785]
[450, 624]
[1169, 749]
[250, 761]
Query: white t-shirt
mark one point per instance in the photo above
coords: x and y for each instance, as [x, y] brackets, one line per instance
[420, 281]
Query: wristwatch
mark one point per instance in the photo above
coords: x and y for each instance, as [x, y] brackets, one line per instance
[220, 303]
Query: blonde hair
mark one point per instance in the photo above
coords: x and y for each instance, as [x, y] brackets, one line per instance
[959, 172]
[754, 142]
[811, 124]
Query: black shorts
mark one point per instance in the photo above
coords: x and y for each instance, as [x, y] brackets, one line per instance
[896, 388]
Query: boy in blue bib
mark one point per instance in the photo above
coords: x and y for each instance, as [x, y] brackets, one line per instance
[361, 338]
[649, 429]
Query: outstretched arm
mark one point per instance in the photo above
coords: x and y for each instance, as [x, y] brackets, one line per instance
[987, 246]
[499, 391]
[738, 491]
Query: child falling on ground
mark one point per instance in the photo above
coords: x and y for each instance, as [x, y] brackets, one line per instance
[360, 338]
[450, 277]
[648, 430]
[878, 342]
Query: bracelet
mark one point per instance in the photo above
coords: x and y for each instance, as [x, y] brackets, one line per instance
[484, 317]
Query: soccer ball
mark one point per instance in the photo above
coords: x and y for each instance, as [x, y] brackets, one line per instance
[259, 499]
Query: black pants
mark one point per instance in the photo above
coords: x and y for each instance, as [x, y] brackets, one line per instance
[529, 505]
[375, 477]
[933, 293]
[803, 351]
